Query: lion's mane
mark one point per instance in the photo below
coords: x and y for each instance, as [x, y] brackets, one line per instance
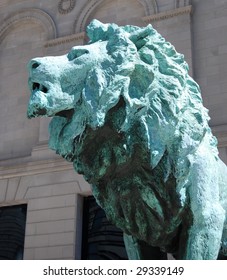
[152, 78]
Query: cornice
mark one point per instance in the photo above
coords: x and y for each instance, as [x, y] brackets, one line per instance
[65, 39]
[34, 168]
[168, 14]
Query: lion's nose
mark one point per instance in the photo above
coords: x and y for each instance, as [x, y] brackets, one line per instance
[34, 64]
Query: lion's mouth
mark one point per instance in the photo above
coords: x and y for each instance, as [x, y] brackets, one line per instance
[40, 87]
[38, 110]
[65, 113]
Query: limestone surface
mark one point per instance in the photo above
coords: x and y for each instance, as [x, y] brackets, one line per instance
[129, 117]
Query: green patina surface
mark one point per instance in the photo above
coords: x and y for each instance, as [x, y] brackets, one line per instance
[131, 119]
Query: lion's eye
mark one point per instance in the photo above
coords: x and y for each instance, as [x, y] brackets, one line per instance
[75, 53]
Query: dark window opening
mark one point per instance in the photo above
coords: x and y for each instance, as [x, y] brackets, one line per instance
[101, 239]
[12, 232]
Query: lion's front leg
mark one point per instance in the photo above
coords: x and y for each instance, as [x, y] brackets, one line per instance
[205, 233]
[139, 250]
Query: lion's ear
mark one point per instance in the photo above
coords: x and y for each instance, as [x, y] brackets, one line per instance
[97, 30]
[139, 37]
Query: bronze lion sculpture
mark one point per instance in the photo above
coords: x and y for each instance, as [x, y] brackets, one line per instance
[130, 118]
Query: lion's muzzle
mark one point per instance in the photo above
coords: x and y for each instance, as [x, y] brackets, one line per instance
[35, 111]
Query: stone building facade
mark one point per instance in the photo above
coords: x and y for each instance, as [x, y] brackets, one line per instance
[30, 173]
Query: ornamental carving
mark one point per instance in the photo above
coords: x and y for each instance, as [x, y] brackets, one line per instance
[66, 6]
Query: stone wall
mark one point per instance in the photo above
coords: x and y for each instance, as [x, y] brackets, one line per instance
[31, 173]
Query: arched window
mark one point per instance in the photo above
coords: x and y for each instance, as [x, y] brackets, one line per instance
[12, 232]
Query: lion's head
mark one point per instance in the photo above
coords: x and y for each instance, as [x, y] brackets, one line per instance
[122, 106]
[130, 63]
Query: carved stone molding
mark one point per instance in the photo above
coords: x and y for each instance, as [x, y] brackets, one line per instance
[33, 15]
[79, 25]
[150, 7]
[182, 3]
[168, 14]
[34, 168]
[70, 6]
[65, 39]
[20, 177]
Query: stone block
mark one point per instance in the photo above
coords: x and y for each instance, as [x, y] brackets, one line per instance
[68, 252]
[29, 253]
[52, 202]
[36, 241]
[54, 253]
[53, 190]
[13, 186]
[54, 178]
[62, 238]
[30, 229]
[67, 188]
[51, 214]
[3, 190]
[42, 253]
[51, 227]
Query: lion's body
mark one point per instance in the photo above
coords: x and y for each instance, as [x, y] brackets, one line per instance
[130, 118]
